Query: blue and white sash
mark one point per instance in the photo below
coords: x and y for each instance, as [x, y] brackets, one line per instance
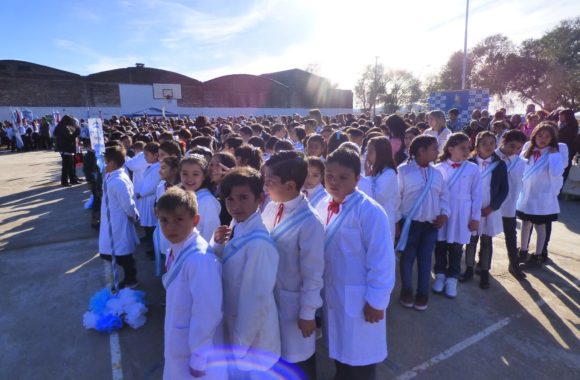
[317, 197]
[487, 171]
[234, 246]
[290, 222]
[333, 227]
[202, 194]
[409, 217]
[531, 169]
[157, 249]
[170, 276]
[456, 175]
[512, 164]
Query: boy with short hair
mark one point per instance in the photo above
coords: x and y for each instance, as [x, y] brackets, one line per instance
[117, 234]
[250, 264]
[299, 236]
[193, 311]
[359, 270]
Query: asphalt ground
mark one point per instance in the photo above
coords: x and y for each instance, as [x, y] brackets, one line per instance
[49, 271]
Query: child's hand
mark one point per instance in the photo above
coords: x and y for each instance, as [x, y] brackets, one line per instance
[222, 234]
[373, 315]
[440, 221]
[486, 211]
[307, 326]
[196, 373]
[473, 225]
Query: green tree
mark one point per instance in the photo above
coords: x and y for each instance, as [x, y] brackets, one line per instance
[490, 59]
[402, 89]
[449, 78]
[370, 86]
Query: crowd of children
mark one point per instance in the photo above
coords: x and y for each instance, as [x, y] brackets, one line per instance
[271, 229]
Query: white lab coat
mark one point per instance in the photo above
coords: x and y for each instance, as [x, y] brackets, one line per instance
[147, 191]
[384, 189]
[137, 165]
[121, 207]
[515, 166]
[441, 137]
[315, 195]
[209, 209]
[492, 224]
[464, 202]
[539, 195]
[300, 271]
[412, 180]
[250, 313]
[359, 268]
[193, 313]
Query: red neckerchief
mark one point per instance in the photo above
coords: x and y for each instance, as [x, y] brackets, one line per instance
[333, 208]
[279, 214]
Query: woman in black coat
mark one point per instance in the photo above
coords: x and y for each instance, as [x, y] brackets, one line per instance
[65, 134]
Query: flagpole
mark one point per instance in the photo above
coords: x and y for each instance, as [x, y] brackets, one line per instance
[464, 70]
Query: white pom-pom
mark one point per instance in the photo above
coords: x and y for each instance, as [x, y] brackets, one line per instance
[90, 320]
[136, 322]
[135, 315]
[127, 298]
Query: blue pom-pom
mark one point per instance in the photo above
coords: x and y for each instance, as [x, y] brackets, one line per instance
[139, 296]
[109, 323]
[98, 302]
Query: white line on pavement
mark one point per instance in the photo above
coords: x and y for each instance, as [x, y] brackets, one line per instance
[413, 372]
[114, 343]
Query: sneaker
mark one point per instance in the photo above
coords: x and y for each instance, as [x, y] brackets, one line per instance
[421, 301]
[406, 298]
[484, 280]
[451, 287]
[439, 283]
[467, 275]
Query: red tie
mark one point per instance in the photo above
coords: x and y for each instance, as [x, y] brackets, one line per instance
[170, 260]
[537, 155]
[279, 214]
[455, 165]
[333, 208]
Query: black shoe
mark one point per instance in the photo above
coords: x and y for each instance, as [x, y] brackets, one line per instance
[467, 275]
[421, 301]
[523, 256]
[533, 262]
[66, 184]
[406, 298]
[516, 271]
[477, 269]
[484, 279]
[544, 257]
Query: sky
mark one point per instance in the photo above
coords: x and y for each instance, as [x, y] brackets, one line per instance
[207, 39]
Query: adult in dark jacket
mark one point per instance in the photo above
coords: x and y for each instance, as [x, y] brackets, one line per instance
[65, 134]
[568, 134]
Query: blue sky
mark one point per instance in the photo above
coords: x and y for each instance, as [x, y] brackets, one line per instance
[206, 39]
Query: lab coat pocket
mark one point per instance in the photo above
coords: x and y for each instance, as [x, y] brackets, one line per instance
[288, 304]
[178, 343]
[354, 300]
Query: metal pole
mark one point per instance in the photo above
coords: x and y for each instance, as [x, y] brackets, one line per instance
[375, 92]
[464, 71]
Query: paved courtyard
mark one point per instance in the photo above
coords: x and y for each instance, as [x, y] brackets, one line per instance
[48, 272]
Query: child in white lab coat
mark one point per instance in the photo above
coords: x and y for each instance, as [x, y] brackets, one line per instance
[538, 203]
[117, 234]
[495, 188]
[299, 237]
[193, 172]
[463, 180]
[510, 147]
[380, 181]
[359, 270]
[313, 188]
[250, 266]
[145, 193]
[193, 313]
[424, 208]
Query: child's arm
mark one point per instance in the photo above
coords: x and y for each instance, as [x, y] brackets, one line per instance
[205, 288]
[476, 197]
[388, 194]
[502, 176]
[555, 164]
[311, 245]
[124, 195]
[444, 199]
[380, 257]
[256, 289]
